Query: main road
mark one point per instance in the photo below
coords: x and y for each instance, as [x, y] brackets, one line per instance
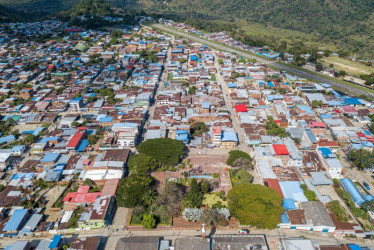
[303, 73]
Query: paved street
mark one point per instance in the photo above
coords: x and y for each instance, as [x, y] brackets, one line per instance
[312, 76]
[273, 236]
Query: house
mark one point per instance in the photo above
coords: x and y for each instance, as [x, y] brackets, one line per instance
[18, 150]
[312, 216]
[4, 160]
[229, 139]
[80, 198]
[93, 243]
[16, 221]
[99, 215]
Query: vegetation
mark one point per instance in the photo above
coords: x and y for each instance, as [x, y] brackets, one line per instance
[214, 200]
[273, 128]
[93, 139]
[335, 208]
[309, 194]
[240, 176]
[90, 7]
[194, 197]
[149, 221]
[361, 158]
[255, 205]
[73, 221]
[239, 159]
[132, 190]
[166, 151]
[345, 196]
[368, 206]
[198, 128]
[141, 163]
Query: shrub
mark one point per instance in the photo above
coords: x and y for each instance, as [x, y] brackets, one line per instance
[149, 221]
[192, 214]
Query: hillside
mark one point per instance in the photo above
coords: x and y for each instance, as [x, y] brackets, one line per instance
[8, 15]
[346, 23]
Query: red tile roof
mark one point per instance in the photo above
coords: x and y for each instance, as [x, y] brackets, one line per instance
[274, 184]
[317, 125]
[76, 139]
[280, 149]
[241, 108]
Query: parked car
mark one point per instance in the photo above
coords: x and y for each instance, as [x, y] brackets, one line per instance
[243, 231]
[366, 185]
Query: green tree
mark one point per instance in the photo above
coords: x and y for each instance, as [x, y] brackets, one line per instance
[236, 154]
[166, 151]
[198, 129]
[335, 208]
[141, 163]
[149, 221]
[368, 206]
[93, 139]
[195, 196]
[361, 158]
[75, 124]
[131, 190]
[192, 90]
[255, 205]
[309, 194]
[204, 186]
[29, 139]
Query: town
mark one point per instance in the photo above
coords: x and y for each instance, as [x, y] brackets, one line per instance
[136, 138]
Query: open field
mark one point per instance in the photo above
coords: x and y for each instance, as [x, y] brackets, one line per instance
[351, 67]
[287, 35]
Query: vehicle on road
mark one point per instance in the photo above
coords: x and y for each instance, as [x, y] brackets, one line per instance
[366, 185]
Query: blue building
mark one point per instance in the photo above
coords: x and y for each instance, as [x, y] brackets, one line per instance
[351, 188]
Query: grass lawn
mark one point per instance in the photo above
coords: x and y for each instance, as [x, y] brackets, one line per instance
[351, 67]
[213, 198]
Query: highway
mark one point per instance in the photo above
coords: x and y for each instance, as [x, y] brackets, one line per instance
[302, 73]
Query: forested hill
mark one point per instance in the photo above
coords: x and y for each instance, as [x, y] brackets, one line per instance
[350, 22]
[7, 15]
[328, 17]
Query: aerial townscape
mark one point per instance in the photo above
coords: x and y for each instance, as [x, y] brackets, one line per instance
[128, 130]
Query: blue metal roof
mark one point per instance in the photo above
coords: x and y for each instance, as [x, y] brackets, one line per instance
[15, 220]
[229, 136]
[55, 241]
[292, 190]
[352, 101]
[106, 119]
[49, 157]
[205, 105]
[83, 145]
[350, 187]
[47, 139]
[6, 139]
[289, 204]
[326, 152]
[305, 108]
[284, 218]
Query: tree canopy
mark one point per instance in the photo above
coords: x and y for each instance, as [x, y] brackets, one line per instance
[132, 189]
[361, 158]
[235, 155]
[255, 205]
[166, 151]
[141, 163]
